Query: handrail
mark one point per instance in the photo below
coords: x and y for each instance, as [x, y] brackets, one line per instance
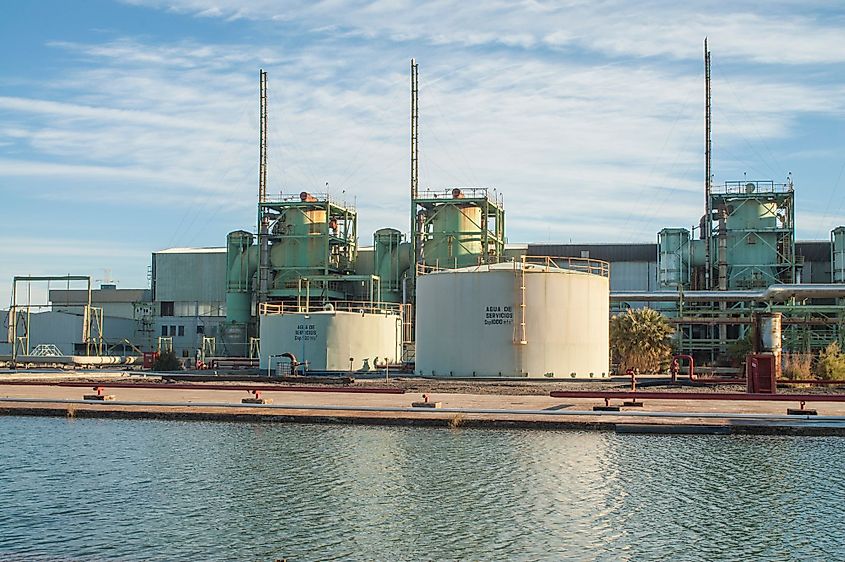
[760, 187]
[548, 263]
[268, 308]
[448, 194]
[587, 265]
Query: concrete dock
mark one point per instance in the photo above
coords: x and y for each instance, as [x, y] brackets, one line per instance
[458, 410]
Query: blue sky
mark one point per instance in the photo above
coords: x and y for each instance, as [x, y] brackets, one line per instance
[128, 127]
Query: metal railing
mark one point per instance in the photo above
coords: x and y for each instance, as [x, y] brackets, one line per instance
[321, 197]
[548, 263]
[267, 308]
[751, 187]
[586, 265]
[466, 193]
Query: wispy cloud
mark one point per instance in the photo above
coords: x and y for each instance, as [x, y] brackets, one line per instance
[586, 116]
[786, 33]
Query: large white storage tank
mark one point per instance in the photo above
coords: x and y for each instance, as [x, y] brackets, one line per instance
[520, 319]
[357, 338]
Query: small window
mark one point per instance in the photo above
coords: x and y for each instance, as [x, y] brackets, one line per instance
[173, 330]
[181, 331]
[200, 329]
[585, 253]
[164, 331]
[185, 353]
[751, 239]
[167, 308]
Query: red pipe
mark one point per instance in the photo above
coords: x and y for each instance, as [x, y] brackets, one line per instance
[704, 380]
[194, 386]
[691, 366]
[607, 395]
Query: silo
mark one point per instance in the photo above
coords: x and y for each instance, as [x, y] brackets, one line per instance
[301, 240]
[752, 242]
[392, 258]
[456, 233]
[241, 263]
[673, 265]
[515, 319]
[456, 237]
[837, 248]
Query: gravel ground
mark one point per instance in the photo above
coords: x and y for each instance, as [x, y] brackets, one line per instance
[440, 386]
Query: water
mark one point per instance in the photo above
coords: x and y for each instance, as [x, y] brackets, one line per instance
[148, 490]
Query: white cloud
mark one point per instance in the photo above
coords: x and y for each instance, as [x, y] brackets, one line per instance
[552, 104]
[785, 33]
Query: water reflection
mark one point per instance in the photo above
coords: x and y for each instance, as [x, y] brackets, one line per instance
[147, 490]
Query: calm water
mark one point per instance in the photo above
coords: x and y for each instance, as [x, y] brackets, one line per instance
[148, 490]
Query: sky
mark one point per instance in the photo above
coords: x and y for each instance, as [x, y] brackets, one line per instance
[131, 126]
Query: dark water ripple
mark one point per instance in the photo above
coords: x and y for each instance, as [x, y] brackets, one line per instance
[97, 490]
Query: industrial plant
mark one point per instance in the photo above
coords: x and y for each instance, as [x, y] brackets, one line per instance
[453, 298]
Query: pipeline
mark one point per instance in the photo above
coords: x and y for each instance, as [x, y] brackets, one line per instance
[403, 409]
[727, 396]
[774, 293]
[194, 386]
[697, 379]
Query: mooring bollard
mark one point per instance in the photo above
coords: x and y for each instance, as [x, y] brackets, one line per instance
[633, 403]
[256, 398]
[426, 404]
[801, 411]
[100, 396]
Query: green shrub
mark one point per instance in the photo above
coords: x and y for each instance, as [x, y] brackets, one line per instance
[739, 349]
[167, 361]
[831, 363]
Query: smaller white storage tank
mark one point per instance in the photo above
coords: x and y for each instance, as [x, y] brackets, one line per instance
[520, 319]
[327, 339]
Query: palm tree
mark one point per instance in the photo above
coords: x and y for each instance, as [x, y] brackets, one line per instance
[640, 339]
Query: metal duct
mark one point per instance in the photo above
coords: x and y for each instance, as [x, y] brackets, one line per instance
[775, 293]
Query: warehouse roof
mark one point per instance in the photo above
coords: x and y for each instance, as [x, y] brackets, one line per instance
[80, 296]
[219, 250]
[646, 252]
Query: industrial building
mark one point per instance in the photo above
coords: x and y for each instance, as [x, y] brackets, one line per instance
[454, 299]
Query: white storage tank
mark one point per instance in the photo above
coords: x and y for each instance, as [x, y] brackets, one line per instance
[520, 319]
[354, 339]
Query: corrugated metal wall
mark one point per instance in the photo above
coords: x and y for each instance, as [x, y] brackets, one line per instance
[190, 277]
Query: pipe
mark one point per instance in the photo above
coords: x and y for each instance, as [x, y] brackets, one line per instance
[809, 381]
[404, 409]
[194, 386]
[727, 396]
[702, 380]
[775, 293]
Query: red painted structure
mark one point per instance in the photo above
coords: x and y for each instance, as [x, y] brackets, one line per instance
[761, 373]
[693, 396]
[195, 386]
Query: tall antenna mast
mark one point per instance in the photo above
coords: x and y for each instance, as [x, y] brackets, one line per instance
[415, 157]
[263, 221]
[415, 123]
[708, 217]
[262, 157]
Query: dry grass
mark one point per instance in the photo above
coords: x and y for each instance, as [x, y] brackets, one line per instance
[798, 366]
[456, 421]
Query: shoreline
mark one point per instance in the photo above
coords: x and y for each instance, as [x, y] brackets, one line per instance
[371, 402]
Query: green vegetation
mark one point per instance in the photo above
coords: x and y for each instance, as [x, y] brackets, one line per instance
[831, 363]
[738, 349]
[167, 361]
[641, 339]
